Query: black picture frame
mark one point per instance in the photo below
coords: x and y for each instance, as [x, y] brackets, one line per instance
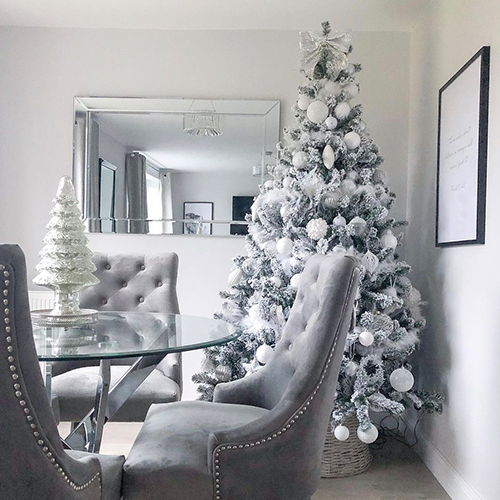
[461, 175]
[202, 210]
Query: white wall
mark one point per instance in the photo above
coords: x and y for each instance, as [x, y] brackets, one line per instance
[41, 69]
[460, 349]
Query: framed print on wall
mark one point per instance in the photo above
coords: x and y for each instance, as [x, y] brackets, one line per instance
[462, 154]
[198, 211]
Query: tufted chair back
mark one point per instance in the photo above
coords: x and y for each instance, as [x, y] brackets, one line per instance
[33, 463]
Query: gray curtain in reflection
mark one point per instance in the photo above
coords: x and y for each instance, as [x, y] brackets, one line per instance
[135, 179]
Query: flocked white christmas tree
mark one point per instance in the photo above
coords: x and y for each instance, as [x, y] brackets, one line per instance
[327, 195]
[65, 260]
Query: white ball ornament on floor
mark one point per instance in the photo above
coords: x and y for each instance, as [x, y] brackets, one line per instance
[234, 277]
[342, 110]
[317, 229]
[299, 159]
[295, 281]
[341, 432]
[339, 221]
[369, 436]
[332, 88]
[331, 123]
[303, 102]
[317, 112]
[284, 246]
[366, 338]
[328, 157]
[348, 187]
[388, 240]
[402, 380]
[264, 353]
[352, 140]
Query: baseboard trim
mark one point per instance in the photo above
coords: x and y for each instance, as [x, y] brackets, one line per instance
[453, 483]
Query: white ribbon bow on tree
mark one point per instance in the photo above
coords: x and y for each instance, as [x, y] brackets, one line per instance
[313, 45]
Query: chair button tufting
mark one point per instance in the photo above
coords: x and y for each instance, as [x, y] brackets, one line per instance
[107, 266]
[142, 267]
[124, 284]
[290, 346]
[159, 283]
[104, 302]
[141, 299]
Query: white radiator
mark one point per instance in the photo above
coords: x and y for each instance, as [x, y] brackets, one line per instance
[41, 300]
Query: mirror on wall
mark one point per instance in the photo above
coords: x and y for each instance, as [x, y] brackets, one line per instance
[171, 166]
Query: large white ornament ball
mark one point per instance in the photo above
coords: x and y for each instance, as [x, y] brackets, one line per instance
[264, 353]
[351, 90]
[284, 246]
[295, 281]
[332, 88]
[223, 373]
[339, 221]
[303, 102]
[352, 140]
[342, 110]
[275, 281]
[287, 182]
[299, 159]
[388, 240]
[331, 123]
[369, 436]
[402, 380]
[234, 277]
[328, 157]
[317, 112]
[316, 229]
[341, 432]
[348, 187]
[366, 338]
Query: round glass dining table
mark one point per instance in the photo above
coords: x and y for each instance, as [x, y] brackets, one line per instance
[142, 335]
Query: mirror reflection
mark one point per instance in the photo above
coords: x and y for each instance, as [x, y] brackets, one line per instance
[172, 166]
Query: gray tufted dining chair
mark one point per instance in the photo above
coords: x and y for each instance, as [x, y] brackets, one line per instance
[128, 282]
[33, 464]
[263, 436]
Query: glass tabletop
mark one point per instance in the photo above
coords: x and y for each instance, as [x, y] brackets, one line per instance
[128, 334]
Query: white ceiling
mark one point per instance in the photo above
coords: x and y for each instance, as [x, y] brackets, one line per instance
[361, 15]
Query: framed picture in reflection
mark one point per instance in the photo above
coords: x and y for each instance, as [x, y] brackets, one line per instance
[198, 212]
[462, 154]
[241, 207]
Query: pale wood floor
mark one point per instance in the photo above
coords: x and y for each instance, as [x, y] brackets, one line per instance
[397, 473]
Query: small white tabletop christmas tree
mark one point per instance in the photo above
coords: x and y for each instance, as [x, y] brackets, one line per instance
[66, 266]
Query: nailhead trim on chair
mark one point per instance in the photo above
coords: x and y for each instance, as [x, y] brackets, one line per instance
[294, 419]
[18, 393]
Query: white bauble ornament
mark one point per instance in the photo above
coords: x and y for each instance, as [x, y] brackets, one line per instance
[366, 338]
[348, 187]
[284, 246]
[350, 69]
[362, 126]
[341, 432]
[264, 353]
[332, 88]
[352, 140]
[303, 102]
[370, 261]
[369, 436]
[332, 198]
[295, 281]
[223, 373]
[234, 277]
[351, 368]
[358, 225]
[388, 240]
[342, 110]
[339, 250]
[275, 281]
[317, 112]
[285, 211]
[331, 123]
[339, 221]
[328, 157]
[402, 380]
[299, 159]
[269, 184]
[287, 182]
[270, 247]
[351, 90]
[391, 291]
[249, 266]
[316, 229]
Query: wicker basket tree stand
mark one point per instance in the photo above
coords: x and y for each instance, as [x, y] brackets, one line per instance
[345, 458]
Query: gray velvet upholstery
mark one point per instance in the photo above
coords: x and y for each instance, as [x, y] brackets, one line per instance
[263, 436]
[128, 282]
[33, 464]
